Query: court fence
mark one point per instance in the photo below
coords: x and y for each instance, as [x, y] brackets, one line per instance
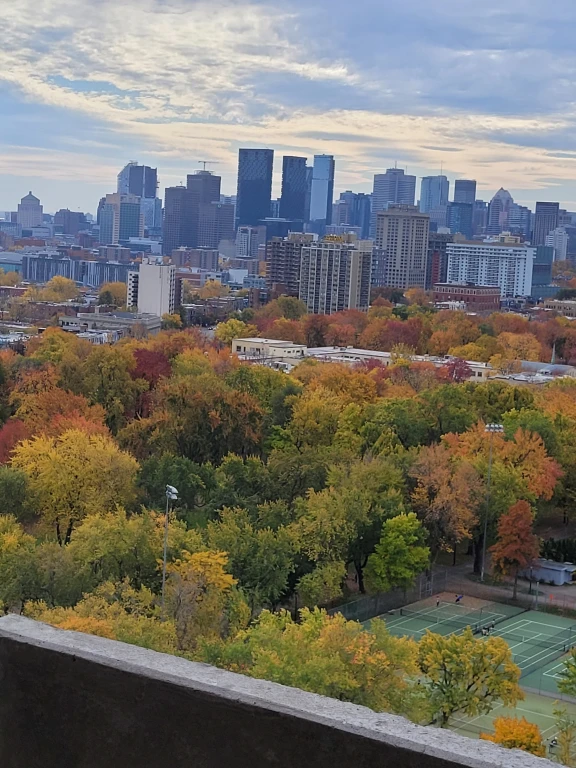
[365, 608]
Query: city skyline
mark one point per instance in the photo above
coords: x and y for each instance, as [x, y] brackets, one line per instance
[474, 90]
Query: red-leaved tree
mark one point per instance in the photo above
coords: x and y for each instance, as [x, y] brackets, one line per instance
[517, 546]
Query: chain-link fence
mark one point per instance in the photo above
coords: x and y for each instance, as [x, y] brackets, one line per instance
[368, 607]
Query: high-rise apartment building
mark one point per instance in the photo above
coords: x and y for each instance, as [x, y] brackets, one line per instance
[153, 288]
[545, 220]
[434, 193]
[558, 240]
[293, 197]
[508, 266]
[459, 219]
[120, 219]
[30, 212]
[254, 185]
[321, 193]
[401, 247]
[520, 220]
[335, 275]
[392, 187]
[283, 257]
[248, 240]
[498, 212]
[437, 263]
[465, 191]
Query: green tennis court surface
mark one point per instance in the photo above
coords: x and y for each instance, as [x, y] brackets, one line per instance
[536, 709]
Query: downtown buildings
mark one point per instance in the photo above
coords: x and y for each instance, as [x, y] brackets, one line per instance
[506, 265]
[401, 247]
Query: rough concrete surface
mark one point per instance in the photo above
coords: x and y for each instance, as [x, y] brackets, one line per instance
[69, 700]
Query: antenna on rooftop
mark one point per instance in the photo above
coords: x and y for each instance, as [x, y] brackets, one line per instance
[204, 163]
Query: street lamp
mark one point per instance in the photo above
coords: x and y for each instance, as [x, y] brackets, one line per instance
[492, 429]
[171, 495]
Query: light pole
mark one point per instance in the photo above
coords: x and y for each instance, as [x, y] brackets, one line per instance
[171, 495]
[491, 429]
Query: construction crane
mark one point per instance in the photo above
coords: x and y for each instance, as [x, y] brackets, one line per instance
[204, 163]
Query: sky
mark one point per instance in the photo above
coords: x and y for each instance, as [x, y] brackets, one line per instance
[483, 90]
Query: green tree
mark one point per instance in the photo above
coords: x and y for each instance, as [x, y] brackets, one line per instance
[15, 496]
[468, 675]
[400, 556]
[260, 559]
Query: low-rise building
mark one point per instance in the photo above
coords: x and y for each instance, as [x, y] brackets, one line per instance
[565, 307]
[126, 323]
[268, 349]
[476, 298]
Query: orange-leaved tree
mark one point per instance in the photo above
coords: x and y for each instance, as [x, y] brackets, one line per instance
[517, 546]
[517, 733]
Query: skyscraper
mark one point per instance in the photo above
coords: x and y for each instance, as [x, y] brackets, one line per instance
[120, 219]
[335, 275]
[434, 193]
[520, 220]
[558, 240]
[460, 219]
[177, 219]
[322, 193]
[254, 185]
[401, 247]
[293, 197]
[29, 212]
[392, 187]
[139, 180]
[465, 191]
[498, 212]
[545, 220]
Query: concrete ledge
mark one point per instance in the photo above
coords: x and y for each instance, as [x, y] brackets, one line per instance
[69, 700]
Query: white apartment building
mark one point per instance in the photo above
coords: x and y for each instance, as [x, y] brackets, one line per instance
[508, 266]
[153, 289]
[558, 239]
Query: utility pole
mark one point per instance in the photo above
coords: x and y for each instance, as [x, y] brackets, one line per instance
[171, 495]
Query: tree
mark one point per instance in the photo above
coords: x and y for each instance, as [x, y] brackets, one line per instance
[517, 733]
[15, 494]
[458, 370]
[260, 559]
[40, 411]
[74, 475]
[113, 293]
[400, 556]
[116, 611]
[234, 329]
[171, 322]
[326, 655]
[57, 289]
[17, 571]
[212, 289]
[446, 497]
[291, 308]
[11, 433]
[468, 675]
[566, 736]
[322, 585]
[54, 345]
[516, 547]
[567, 682]
[107, 380]
[202, 599]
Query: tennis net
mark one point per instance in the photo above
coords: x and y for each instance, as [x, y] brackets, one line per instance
[491, 613]
[561, 641]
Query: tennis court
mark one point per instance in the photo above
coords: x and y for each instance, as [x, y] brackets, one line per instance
[444, 616]
[536, 709]
[538, 642]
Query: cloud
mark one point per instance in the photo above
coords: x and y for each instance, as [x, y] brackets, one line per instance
[486, 90]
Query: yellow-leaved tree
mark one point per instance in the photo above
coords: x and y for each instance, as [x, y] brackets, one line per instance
[467, 674]
[76, 474]
[202, 599]
[517, 733]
